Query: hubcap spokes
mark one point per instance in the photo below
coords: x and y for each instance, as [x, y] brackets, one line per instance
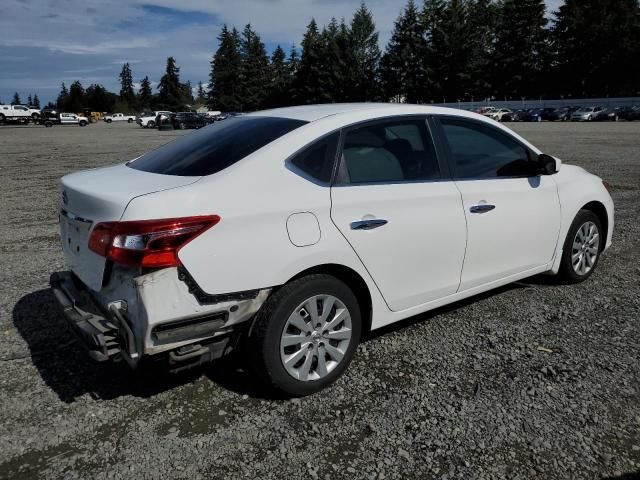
[584, 251]
[315, 338]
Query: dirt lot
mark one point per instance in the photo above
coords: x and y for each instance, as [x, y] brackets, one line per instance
[463, 392]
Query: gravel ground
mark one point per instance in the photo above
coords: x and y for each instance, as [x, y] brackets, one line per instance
[535, 380]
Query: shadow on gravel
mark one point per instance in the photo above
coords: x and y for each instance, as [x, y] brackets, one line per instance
[70, 373]
[626, 476]
[537, 281]
[65, 367]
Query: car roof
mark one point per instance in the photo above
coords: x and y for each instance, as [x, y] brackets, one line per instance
[311, 113]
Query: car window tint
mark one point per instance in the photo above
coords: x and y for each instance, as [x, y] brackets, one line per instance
[392, 151]
[481, 151]
[317, 160]
[216, 147]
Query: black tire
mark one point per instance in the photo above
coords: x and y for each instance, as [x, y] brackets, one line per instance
[263, 343]
[48, 124]
[567, 272]
[109, 120]
[181, 126]
[83, 123]
[129, 121]
[2, 117]
[151, 124]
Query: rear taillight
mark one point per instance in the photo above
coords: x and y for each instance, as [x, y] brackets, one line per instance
[607, 186]
[148, 243]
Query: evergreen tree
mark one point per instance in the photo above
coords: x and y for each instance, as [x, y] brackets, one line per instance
[363, 47]
[16, 99]
[76, 101]
[225, 72]
[293, 61]
[333, 70]
[126, 85]
[98, 99]
[597, 47]
[171, 91]
[403, 65]
[280, 80]
[451, 52]
[36, 101]
[308, 84]
[202, 95]
[482, 18]
[63, 96]
[145, 93]
[520, 48]
[29, 100]
[254, 71]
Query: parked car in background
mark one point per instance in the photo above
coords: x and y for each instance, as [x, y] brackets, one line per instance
[498, 114]
[585, 114]
[18, 113]
[171, 259]
[120, 117]
[50, 118]
[532, 115]
[606, 115]
[628, 113]
[550, 114]
[564, 113]
[148, 119]
[186, 120]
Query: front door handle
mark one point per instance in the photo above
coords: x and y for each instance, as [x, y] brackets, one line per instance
[368, 224]
[481, 208]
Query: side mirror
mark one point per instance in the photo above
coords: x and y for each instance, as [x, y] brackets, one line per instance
[547, 164]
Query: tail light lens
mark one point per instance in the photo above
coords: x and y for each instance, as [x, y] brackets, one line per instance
[148, 243]
[607, 186]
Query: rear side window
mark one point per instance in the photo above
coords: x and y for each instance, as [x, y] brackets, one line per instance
[216, 147]
[317, 160]
[481, 151]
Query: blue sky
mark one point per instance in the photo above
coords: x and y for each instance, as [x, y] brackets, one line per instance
[45, 42]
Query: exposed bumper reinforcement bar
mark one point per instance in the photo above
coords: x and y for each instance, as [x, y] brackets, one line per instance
[97, 331]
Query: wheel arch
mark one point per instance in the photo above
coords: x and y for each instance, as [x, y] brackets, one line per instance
[354, 281]
[600, 211]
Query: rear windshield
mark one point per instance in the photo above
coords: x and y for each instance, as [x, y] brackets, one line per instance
[215, 147]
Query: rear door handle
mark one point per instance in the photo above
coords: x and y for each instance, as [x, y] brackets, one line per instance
[481, 208]
[368, 224]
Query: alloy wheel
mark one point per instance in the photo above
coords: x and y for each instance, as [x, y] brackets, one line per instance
[315, 338]
[584, 252]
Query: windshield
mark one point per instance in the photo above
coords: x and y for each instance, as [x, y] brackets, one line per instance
[216, 147]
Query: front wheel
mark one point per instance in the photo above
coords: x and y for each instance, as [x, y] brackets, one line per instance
[129, 121]
[305, 335]
[2, 117]
[151, 124]
[109, 121]
[582, 247]
[83, 123]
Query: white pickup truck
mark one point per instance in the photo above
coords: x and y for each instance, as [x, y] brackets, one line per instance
[120, 117]
[148, 119]
[19, 113]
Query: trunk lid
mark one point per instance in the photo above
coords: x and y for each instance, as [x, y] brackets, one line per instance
[101, 195]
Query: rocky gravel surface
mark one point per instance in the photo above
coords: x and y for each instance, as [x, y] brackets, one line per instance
[533, 381]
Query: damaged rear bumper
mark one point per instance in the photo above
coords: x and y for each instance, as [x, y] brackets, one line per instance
[149, 314]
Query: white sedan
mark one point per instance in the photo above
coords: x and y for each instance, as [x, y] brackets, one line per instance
[293, 232]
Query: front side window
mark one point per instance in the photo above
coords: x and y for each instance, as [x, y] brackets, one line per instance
[216, 147]
[317, 160]
[480, 151]
[391, 151]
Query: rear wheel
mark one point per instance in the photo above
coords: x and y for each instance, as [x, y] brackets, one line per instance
[130, 121]
[582, 247]
[181, 126]
[305, 335]
[83, 123]
[109, 120]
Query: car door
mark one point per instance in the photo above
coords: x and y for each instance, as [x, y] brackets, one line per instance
[397, 207]
[513, 214]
